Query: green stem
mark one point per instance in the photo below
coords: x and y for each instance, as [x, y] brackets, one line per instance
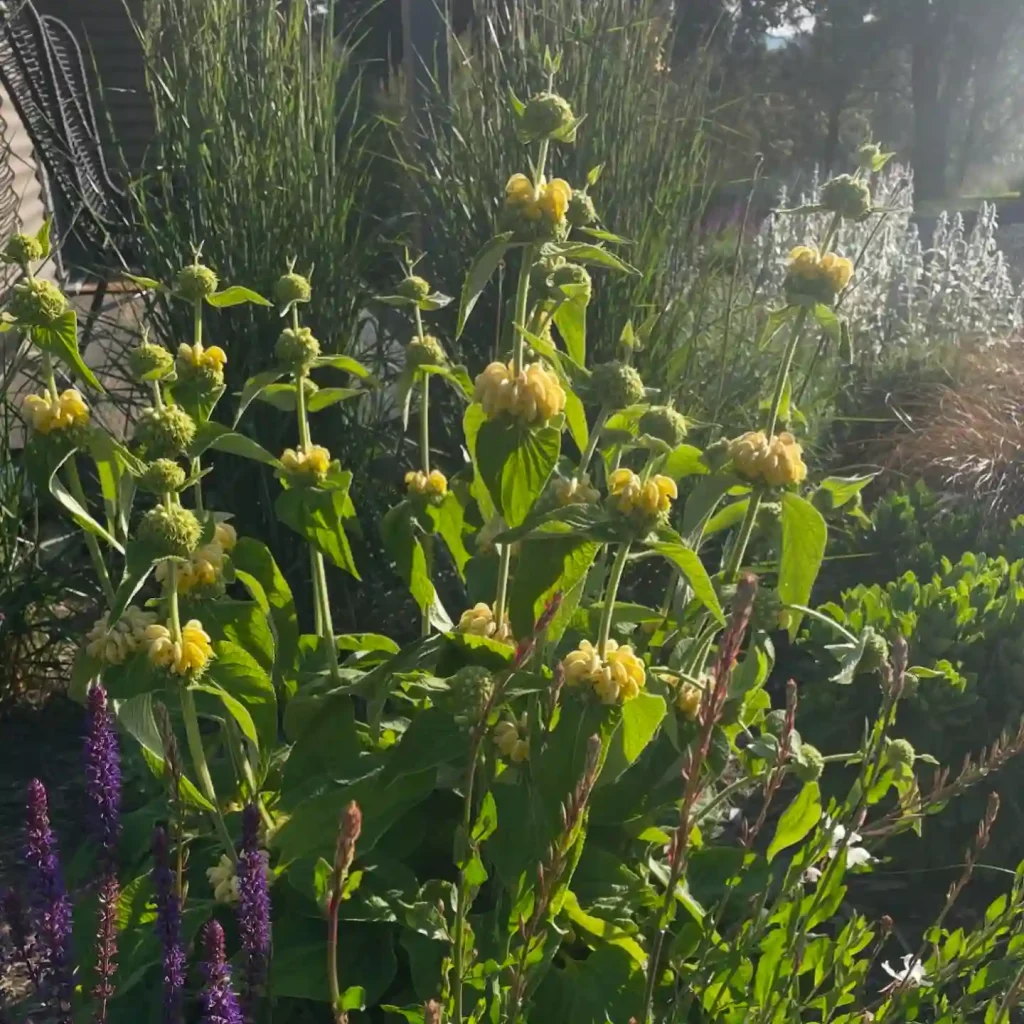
[618, 566]
[595, 436]
[739, 548]
[195, 747]
[428, 540]
[51, 384]
[462, 910]
[78, 493]
[197, 341]
[522, 305]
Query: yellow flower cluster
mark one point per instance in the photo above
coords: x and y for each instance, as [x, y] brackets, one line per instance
[546, 205]
[426, 485]
[187, 656]
[633, 497]
[212, 359]
[113, 644]
[687, 696]
[533, 395]
[509, 738]
[617, 677]
[204, 568]
[48, 413]
[479, 621]
[575, 491]
[815, 276]
[777, 462]
[311, 464]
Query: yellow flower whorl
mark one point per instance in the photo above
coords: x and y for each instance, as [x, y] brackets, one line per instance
[188, 656]
[432, 485]
[616, 678]
[813, 277]
[479, 621]
[307, 465]
[533, 395]
[777, 463]
[47, 413]
[632, 496]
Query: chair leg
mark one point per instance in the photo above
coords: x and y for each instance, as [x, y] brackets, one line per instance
[94, 311]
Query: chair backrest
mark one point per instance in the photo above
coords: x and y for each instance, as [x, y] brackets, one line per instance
[41, 66]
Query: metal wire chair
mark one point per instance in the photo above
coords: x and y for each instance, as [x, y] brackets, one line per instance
[41, 66]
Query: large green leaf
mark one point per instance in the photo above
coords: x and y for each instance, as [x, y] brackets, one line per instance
[684, 461]
[703, 500]
[571, 321]
[344, 363]
[223, 439]
[138, 565]
[60, 340]
[692, 568]
[433, 738]
[472, 421]
[243, 677]
[804, 537]
[516, 463]
[114, 466]
[640, 720]
[576, 420]
[253, 388]
[235, 708]
[326, 397]
[450, 522]
[257, 571]
[797, 820]
[557, 563]
[480, 272]
[583, 252]
[77, 511]
[319, 515]
[325, 741]
[401, 536]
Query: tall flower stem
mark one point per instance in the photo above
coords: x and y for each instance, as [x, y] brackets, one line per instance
[428, 540]
[197, 341]
[592, 441]
[611, 592]
[522, 306]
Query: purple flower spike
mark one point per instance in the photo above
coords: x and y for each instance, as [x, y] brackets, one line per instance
[168, 927]
[217, 1001]
[253, 908]
[106, 944]
[50, 903]
[103, 774]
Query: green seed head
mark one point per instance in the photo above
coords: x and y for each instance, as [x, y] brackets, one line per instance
[581, 212]
[810, 765]
[867, 155]
[900, 752]
[170, 531]
[164, 433]
[297, 349]
[664, 423]
[195, 282]
[161, 476]
[414, 288]
[546, 116]
[848, 196]
[616, 385]
[876, 652]
[37, 302]
[291, 288]
[23, 250]
[572, 274]
[424, 350]
[149, 362]
[470, 690]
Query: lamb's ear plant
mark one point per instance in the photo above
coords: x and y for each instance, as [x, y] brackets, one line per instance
[568, 806]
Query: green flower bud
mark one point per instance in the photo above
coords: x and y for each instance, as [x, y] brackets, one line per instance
[469, 691]
[164, 433]
[616, 385]
[867, 155]
[768, 515]
[768, 606]
[848, 196]
[664, 423]
[149, 362]
[162, 476]
[297, 349]
[572, 274]
[23, 250]
[291, 288]
[581, 212]
[414, 288]
[424, 350]
[716, 455]
[37, 302]
[195, 282]
[900, 752]
[774, 723]
[170, 531]
[876, 652]
[546, 116]
[810, 764]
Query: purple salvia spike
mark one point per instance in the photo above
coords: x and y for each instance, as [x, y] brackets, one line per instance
[253, 909]
[168, 927]
[103, 774]
[106, 945]
[50, 904]
[218, 1004]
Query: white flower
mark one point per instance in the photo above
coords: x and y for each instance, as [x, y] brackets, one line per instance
[811, 876]
[913, 973]
[224, 880]
[856, 856]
